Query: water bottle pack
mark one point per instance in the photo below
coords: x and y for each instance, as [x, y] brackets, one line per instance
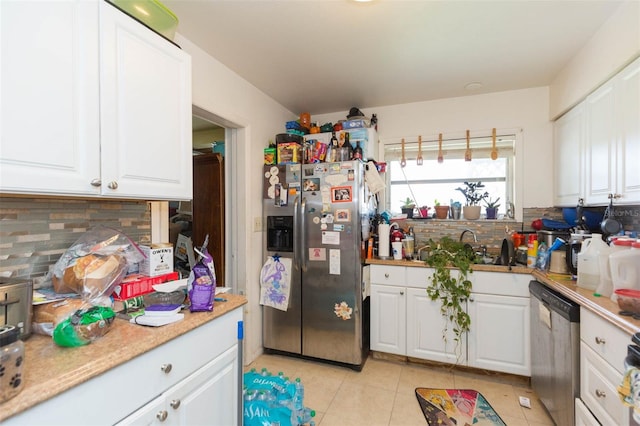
[274, 400]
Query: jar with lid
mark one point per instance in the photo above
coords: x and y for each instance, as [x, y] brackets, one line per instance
[11, 361]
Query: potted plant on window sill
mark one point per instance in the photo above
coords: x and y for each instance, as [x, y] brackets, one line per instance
[491, 207]
[442, 212]
[452, 291]
[473, 195]
[407, 207]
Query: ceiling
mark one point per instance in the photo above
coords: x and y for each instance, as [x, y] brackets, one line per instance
[323, 56]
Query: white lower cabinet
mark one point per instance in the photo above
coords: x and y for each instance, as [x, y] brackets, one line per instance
[190, 380]
[583, 415]
[190, 402]
[498, 339]
[405, 321]
[425, 328]
[602, 353]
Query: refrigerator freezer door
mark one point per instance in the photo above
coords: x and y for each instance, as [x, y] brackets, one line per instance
[332, 278]
[281, 329]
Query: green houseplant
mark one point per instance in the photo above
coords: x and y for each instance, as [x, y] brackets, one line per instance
[452, 291]
[407, 207]
[473, 195]
[492, 208]
[442, 211]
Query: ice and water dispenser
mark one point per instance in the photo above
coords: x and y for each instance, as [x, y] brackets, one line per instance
[280, 233]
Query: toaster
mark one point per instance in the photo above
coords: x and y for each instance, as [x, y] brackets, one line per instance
[16, 296]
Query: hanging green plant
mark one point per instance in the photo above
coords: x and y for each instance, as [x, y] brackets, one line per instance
[452, 291]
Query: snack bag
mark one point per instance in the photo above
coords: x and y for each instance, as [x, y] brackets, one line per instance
[201, 284]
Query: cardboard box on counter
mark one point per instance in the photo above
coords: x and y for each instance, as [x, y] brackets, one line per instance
[158, 259]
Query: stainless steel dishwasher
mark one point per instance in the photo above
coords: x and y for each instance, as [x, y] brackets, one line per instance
[555, 354]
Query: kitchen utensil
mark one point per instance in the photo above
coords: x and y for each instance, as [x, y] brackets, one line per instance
[440, 157]
[579, 214]
[494, 151]
[419, 159]
[507, 253]
[609, 225]
[403, 160]
[467, 153]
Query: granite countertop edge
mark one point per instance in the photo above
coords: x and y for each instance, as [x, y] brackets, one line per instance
[50, 370]
[516, 269]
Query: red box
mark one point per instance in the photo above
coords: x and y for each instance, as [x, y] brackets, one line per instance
[137, 284]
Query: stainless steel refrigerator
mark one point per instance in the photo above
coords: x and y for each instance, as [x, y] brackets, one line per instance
[317, 214]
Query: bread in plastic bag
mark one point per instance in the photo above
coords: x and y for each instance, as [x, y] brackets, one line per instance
[83, 326]
[95, 264]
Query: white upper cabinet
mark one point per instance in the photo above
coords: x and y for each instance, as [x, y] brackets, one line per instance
[600, 144]
[612, 139]
[568, 158]
[145, 111]
[629, 133]
[93, 104]
[49, 94]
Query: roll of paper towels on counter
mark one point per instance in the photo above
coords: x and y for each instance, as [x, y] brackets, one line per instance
[383, 240]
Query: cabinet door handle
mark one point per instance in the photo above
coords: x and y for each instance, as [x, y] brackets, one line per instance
[96, 182]
[162, 415]
[601, 393]
[166, 368]
[471, 299]
[600, 341]
[175, 404]
[386, 275]
[113, 185]
[402, 293]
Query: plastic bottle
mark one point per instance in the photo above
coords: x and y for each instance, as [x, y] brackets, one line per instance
[588, 263]
[532, 250]
[625, 267]
[605, 287]
[357, 152]
[298, 398]
[306, 416]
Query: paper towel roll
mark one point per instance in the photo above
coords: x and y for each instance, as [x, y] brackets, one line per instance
[383, 240]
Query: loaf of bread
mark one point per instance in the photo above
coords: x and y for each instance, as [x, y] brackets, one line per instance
[47, 316]
[91, 275]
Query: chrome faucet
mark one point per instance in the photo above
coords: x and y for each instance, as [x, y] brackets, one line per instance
[475, 239]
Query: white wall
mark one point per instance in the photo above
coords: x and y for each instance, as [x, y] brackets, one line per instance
[614, 46]
[220, 91]
[519, 109]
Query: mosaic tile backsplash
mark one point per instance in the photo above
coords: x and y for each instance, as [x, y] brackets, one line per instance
[35, 232]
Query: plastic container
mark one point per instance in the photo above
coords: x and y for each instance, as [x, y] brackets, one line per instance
[588, 262]
[605, 288]
[628, 300]
[625, 268]
[11, 362]
[152, 13]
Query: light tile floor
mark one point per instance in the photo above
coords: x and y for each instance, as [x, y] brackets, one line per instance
[383, 393]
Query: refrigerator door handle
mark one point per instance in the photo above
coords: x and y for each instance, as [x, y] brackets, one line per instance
[296, 230]
[303, 235]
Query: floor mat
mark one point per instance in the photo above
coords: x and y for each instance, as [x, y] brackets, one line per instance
[456, 407]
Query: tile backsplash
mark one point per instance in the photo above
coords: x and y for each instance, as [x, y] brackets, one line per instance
[35, 232]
